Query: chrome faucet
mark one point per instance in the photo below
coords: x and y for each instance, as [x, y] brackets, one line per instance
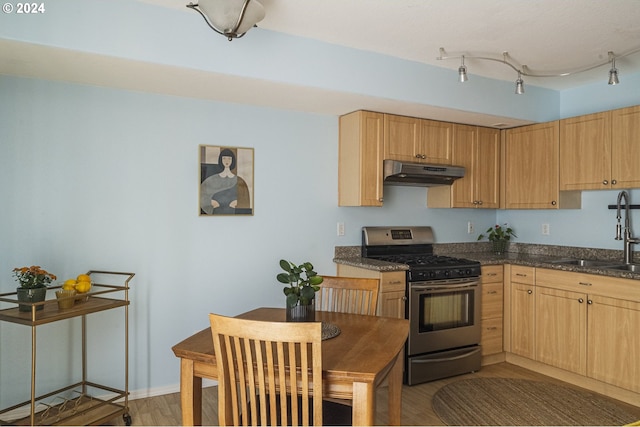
[628, 238]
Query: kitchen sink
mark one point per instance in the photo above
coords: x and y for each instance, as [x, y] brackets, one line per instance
[582, 262]
[634, 268]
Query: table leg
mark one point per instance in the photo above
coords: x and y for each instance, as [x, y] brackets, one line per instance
[395, 392]
[190, 394]
[364, 404]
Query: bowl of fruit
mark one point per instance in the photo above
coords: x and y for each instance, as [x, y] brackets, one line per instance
[82, 286]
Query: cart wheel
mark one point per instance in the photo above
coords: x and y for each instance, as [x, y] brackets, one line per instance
[127, 419]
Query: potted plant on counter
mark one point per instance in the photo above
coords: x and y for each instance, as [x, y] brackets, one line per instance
[303, 283]
[499, 237]
[33, 285]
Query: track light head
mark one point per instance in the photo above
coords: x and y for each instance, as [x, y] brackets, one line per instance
[462, 72]
[519, 85]
[613, 72]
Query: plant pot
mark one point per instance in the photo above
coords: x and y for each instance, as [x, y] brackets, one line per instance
[499, 246]
[31, 295]
[302, 313]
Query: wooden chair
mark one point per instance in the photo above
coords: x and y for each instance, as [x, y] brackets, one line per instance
[268, 371]
[353, 295]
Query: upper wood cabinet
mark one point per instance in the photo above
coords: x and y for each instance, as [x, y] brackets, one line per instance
[477, 149]
[625, 147]
[600, 151]
[360, 159]
[531, 169]
[416, 140]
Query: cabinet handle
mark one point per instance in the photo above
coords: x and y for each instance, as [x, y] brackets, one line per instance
[404, 298]
[479, 202]
[614, 182]
[529, 291]
[580, 300]
[492, 328]
[553, 203]
[521, 274]
[492, 292]
[605, 182]
[584, 283]
[589, 301]
[395, 282]
[492, 274]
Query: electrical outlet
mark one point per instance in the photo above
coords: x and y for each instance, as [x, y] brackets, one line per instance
[469, 227]
[545, 230]
[341, 229]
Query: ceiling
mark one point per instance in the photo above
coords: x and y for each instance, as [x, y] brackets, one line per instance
[549, 36]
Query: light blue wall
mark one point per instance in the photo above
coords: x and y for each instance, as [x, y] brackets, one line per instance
[98, 178]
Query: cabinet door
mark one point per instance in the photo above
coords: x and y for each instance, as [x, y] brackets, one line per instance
[392, 304]
[561, 329]
[614, 342]
[486, 169]
[585, 152]
[464, 154]
[531, 167]
[522, 320]
[360, 159]
[625, 140]
[401, 138]
[436, 142]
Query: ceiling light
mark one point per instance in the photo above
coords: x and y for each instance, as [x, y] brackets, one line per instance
[462, 71]
[613, 72]
[525, 71]
[230, 18]
[519, 85]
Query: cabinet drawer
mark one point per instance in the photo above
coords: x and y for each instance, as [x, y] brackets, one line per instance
[392, 281]
[492, 273]
[523, 274]
[492, 300]
[491, 337]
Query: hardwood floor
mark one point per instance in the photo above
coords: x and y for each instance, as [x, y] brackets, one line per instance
[416, 401]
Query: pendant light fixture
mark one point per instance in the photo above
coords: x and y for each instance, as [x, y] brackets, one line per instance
[230, 18]
[525, 71]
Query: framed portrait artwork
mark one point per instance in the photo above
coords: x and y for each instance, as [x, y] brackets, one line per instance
[226, 180]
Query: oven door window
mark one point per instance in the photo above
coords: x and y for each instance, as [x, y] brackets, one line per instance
[446, 310]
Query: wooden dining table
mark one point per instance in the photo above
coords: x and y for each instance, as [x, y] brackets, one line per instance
[367, 352]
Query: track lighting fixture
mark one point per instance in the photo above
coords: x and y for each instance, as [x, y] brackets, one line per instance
[462, 71]
[525, 71]
[230, 18]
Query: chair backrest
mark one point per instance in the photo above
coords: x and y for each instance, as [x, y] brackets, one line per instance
[268, 371]
[354, 295]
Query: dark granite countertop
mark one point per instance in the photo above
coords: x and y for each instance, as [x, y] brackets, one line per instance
[541, 256]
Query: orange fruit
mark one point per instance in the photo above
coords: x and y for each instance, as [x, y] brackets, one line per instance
[83, 287]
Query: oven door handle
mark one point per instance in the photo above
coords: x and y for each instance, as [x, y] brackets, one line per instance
[447, 359]
[443, 286]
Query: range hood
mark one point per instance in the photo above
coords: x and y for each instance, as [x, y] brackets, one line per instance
[420, 174]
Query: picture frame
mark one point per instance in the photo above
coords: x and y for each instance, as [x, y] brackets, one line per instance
[226, 180]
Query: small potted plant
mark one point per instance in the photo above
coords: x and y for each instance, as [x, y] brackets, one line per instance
[33, 285]
[303, 283]
[499, 237]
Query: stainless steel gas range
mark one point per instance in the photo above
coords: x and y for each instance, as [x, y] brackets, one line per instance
[442, 302]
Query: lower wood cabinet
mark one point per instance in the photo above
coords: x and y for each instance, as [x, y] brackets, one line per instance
[561, 329]
[522, 310]
[391, 296]
[586, 324]
[492, 309]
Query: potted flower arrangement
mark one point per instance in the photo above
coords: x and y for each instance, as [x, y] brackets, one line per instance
[303, 283]
[499, 237]
[33, 285]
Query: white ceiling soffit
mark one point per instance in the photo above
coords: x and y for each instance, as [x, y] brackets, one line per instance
[29, 60]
